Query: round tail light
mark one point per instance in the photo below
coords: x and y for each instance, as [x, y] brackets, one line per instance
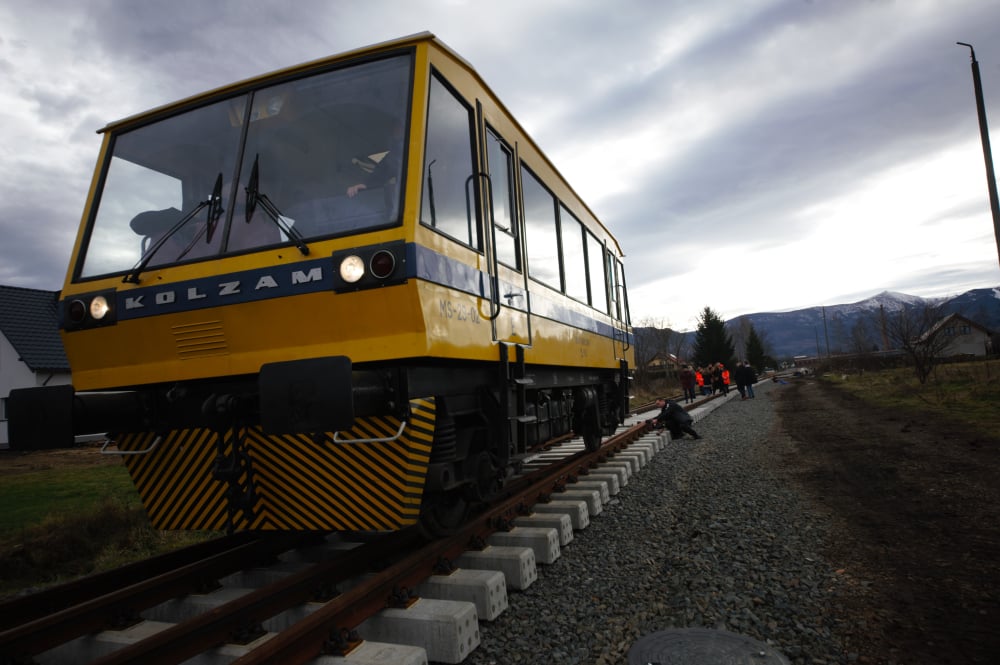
[77, 311]
[383, 263]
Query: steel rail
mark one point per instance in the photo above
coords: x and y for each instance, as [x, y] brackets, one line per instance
[240, 620]
[232, 622]
[317, 633]
[122, 605]
[23, 609]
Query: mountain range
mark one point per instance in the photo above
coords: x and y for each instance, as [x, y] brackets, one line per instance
[817, 330]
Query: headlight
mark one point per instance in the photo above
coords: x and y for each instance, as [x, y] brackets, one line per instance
[369, 267]
[352, 268]
[99, 307]
[88, 310]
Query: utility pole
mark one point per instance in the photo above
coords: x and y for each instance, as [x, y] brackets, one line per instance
[885, 335]
[826, 333]
[984, 132]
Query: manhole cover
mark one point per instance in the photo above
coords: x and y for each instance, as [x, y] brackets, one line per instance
[684, 646]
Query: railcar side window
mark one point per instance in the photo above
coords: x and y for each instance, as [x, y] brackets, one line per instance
[448, 167]
[622, 291]
[574, 262]
[501, 165]
[542, 239]
[612, 277]
[595, 263]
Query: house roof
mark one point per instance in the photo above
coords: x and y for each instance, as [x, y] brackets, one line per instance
[29, 320]
[951, 319]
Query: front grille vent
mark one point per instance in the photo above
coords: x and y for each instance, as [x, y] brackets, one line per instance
[198, 340]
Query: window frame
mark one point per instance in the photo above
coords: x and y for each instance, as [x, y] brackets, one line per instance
[513, 195]
[525, 169]
[475, 239]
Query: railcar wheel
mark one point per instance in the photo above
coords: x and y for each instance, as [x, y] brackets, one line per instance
[591, 426]
[484, 481]
[587, 417]
[592, 439]
[443, 513]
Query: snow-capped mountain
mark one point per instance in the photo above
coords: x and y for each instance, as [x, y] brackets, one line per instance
[810, 331]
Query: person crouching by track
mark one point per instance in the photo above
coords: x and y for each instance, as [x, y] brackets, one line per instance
[674, 418]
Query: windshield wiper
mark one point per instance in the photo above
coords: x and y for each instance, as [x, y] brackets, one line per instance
[215, 209]
[254, 197]
[214, 204]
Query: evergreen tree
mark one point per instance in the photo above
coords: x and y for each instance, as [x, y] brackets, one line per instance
[712, 343]
[755, 353]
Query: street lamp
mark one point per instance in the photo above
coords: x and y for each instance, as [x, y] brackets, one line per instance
[984, 132]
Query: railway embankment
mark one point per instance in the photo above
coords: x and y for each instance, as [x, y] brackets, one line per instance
[705, 536]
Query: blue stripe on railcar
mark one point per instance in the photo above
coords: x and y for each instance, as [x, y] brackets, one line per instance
[318, 275]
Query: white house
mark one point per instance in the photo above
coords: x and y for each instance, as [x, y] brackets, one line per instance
[31, 351]
[965, 337]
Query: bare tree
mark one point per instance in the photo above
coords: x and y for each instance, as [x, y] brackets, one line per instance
[914, 331]
[765, 342]
[663, 339]
[644, 350]
[655, 339]
[679, 345]
[861, 341]
[839, 333]
[739, 332]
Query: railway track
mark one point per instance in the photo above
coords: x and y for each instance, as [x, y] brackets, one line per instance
[289, 598]
[651, 406]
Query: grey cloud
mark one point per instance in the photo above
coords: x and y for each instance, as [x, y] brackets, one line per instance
[740, 185]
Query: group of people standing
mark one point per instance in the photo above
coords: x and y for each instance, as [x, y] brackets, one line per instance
[716, 379]
[675, 418]
[704, 380]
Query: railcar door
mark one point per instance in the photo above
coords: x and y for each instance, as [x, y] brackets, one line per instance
[504, 251]
[619, 305]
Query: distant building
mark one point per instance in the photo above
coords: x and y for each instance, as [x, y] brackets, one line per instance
[966, 337]
[663, 364]
[31, 351]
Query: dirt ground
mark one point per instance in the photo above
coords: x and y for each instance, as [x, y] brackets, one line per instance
[916, 509]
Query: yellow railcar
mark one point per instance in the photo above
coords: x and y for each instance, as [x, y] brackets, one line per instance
[349, 294]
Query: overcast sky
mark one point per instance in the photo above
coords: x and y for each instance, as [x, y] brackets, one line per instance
[750, 155]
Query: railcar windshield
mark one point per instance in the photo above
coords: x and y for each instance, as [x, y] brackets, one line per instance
[328, 151]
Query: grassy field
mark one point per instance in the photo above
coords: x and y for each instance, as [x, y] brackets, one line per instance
[32, 497]
[964, 393]
[71, 513]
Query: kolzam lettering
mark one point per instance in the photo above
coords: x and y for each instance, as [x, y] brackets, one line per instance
[223, 290]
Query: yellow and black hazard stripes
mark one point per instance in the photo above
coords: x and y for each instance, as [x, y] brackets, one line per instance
[175, 479]
[384, 479]
[299, 482]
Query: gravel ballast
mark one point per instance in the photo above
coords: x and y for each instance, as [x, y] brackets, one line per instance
[705, 535]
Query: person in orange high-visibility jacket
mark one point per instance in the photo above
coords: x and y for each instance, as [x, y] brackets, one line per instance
[725, 379]
[700, 380]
